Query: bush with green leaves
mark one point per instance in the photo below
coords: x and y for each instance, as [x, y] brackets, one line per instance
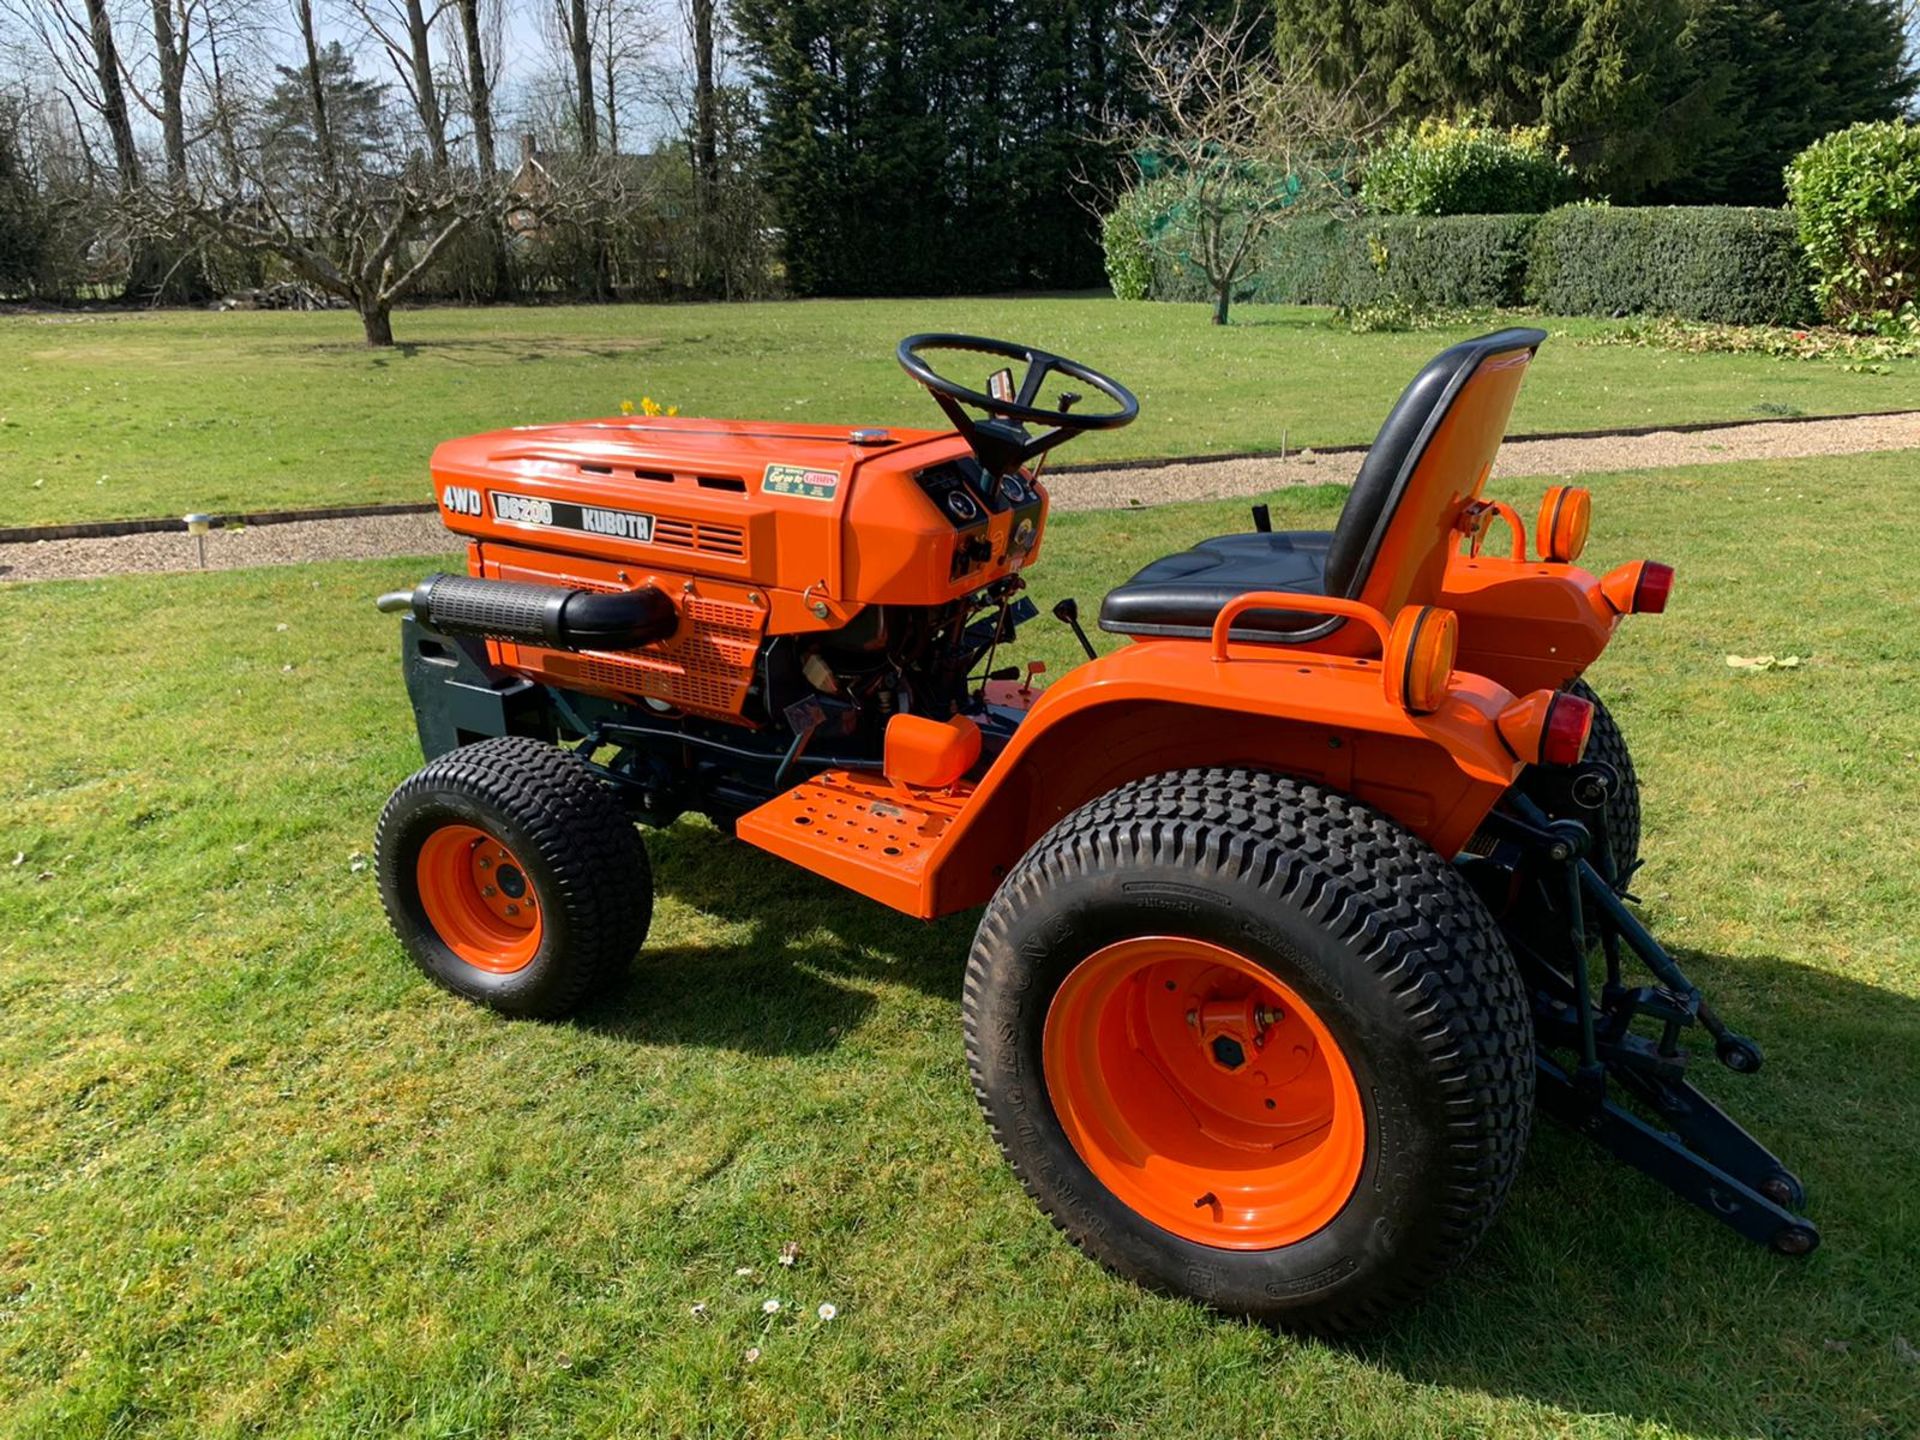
[1129, 256]
[1856, 197]
[1700, 262]
[1446, 167]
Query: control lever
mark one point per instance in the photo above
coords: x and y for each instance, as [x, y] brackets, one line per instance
[1069, 399]
[1067, 612]
[1262, 520]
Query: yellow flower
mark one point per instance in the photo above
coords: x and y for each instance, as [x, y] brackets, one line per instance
[673, 409]
[649, 405]
[626, 407]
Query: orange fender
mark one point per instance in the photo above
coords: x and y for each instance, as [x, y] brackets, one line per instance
[1168, 705]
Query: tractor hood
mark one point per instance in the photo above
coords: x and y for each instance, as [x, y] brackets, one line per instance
[649, 450]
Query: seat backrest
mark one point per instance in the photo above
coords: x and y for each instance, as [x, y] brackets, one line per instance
[1431, 457]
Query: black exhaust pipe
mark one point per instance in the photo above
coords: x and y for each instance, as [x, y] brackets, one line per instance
[538, 614]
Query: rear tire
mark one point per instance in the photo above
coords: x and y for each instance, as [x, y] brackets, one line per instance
[1345, 915]
[1608, 745]
[512, 878]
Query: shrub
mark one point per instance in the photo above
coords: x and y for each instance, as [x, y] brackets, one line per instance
[1129, 258]
[1856, 197]
[1440, 167]
[1740, 266]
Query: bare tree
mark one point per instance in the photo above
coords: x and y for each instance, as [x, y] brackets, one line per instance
[317, 92]
[404, 29]
[706, 129]
[368, 239]
[573, 28]
[345, 207]
[479, 86]
[1235, 142]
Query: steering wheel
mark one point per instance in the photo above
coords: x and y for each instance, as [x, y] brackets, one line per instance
[1001, 442]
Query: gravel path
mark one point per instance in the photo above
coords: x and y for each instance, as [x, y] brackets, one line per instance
[1225, 479]
[395, 535]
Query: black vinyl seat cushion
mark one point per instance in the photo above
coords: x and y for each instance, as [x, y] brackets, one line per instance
[1181, 594]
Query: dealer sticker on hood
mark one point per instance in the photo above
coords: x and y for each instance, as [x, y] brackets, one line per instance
[801, 480]
[529, 510]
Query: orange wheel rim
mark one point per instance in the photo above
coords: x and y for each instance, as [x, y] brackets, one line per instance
[479, 899]
[1204, 1093]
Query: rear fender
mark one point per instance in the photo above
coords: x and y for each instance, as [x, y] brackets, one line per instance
[1163, 705]
[1526, 624]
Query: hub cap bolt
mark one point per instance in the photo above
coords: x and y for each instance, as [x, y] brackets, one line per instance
[487, 890]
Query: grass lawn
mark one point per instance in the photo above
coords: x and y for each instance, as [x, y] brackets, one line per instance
[118, 414]
[258, 1177]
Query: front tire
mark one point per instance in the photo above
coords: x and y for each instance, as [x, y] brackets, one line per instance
[512, 878]
[1247, 1041]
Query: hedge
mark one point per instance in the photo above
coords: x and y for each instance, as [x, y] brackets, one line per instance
[1704, 263]
[1449, 260]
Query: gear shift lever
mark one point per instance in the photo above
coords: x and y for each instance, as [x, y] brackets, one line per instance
[1068, 612]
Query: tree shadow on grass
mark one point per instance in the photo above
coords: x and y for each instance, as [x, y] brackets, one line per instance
[1597, 1292]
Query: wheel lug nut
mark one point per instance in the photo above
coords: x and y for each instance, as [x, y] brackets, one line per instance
[485, 862]
[487, 890]
[513, 909]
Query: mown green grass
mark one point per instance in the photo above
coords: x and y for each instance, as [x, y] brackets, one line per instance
[258, 1177]
[127, 414]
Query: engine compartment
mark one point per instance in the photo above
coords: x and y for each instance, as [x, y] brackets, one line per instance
[823, 581]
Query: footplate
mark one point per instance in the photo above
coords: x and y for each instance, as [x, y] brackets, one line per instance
[859, 829]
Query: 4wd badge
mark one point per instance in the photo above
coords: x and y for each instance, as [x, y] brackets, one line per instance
[799, 480]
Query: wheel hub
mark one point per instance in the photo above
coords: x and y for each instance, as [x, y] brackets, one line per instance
[1204, 1092]
[477, 898]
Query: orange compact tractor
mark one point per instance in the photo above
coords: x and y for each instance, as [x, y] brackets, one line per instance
[1295, 905]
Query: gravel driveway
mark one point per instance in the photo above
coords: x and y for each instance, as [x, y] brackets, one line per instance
[380, 536]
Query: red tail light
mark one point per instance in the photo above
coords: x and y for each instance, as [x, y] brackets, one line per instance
[1640, 587]
[1547, 727]
[1655, 585]
[1563, 739]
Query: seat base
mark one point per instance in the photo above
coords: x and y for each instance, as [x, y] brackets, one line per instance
[1179, 596]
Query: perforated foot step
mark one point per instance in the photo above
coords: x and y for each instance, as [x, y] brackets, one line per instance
[859, 829]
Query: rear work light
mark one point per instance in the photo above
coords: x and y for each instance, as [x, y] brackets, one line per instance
[1566, 512]
[1547, 727]
[1640, 587]
[1419, 657]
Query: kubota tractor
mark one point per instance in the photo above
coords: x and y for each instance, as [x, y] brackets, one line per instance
[1295, 905]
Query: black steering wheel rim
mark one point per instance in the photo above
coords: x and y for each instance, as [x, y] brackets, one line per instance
[1040, 363]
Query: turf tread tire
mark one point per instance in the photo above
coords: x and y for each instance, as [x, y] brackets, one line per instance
[1400, 914]
[584, 856]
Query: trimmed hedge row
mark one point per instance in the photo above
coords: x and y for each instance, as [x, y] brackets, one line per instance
[1743, 267]
[1699, 263]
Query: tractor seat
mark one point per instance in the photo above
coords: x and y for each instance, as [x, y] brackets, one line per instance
[1179, 595]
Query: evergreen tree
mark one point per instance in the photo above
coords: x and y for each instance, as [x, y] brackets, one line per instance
[1701, 100]
[1798, 69]
[356, 117]
[928, 146]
